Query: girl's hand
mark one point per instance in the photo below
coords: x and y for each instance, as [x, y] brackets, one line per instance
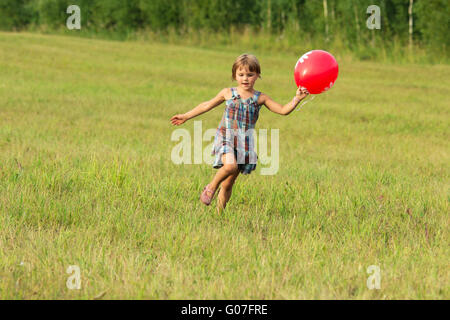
[301, 93]
[178, 119]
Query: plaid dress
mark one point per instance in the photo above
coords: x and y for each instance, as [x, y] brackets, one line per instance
[235, 132]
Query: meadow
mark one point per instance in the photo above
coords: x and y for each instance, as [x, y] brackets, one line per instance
[86, 178]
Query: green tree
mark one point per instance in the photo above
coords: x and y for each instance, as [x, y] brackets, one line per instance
[15, 14]
[433, 23]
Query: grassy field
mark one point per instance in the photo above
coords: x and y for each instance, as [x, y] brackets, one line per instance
[86, 178]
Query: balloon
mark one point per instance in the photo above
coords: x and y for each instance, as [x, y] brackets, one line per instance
[316, 70]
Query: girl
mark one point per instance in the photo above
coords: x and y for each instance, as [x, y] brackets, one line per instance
[240, 115]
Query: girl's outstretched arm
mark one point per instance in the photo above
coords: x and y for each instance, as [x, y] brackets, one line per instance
[286, 109]
[201, 108]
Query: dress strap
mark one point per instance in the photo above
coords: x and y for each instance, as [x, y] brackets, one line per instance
[256, 96]
[234, 93]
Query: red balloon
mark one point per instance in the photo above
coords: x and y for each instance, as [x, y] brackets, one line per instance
[316, 70]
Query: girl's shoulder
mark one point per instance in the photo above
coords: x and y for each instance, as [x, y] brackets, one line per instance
[227, 93]
[261, 97]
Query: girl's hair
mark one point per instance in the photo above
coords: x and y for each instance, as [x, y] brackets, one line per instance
[246, 60]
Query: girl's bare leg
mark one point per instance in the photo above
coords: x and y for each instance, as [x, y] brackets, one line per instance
[229, 168]
[225, 191]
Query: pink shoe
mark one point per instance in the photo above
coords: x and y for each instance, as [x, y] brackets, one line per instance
[207, 195]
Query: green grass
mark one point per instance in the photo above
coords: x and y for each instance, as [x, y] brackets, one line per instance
[86, 178]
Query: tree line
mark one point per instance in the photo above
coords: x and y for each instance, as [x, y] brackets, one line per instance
[406, 23]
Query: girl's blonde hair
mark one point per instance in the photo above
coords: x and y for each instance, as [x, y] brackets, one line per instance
[246, 60]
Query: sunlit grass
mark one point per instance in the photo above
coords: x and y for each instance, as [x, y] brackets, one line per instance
[86, 178]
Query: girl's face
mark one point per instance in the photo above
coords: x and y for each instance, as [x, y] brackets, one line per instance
[246, 78]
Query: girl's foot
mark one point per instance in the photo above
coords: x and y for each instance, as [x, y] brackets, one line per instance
[207, 195]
